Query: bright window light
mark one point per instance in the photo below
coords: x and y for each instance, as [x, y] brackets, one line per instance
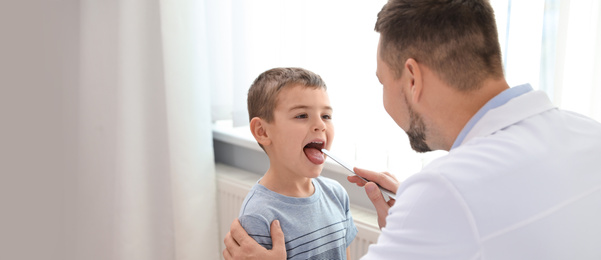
[336, 39]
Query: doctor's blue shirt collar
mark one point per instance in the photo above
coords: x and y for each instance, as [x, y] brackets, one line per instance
[495, 102]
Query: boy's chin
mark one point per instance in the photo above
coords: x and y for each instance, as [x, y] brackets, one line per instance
[314, 173]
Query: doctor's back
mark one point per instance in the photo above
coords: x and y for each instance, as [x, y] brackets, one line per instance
[524, 184]
[545, 197]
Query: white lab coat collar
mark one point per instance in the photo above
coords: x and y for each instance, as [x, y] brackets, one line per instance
[515, 110]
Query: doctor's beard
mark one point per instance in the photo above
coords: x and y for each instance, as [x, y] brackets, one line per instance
[417, 132]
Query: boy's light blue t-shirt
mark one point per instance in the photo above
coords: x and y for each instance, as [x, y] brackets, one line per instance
[316, 227]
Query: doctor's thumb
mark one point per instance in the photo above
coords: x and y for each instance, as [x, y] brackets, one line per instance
[376, 197]
[277, 239]
[374, 194]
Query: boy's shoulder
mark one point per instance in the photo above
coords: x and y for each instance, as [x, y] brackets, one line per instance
[329, 183]
[332, 187]
[257, 195]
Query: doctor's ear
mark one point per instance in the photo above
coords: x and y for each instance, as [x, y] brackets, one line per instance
[415, 74]
[258, 127]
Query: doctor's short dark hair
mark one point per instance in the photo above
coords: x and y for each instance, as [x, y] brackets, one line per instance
[263, 93]
[457, 39]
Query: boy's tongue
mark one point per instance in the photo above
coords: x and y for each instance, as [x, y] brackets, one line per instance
[314, 155]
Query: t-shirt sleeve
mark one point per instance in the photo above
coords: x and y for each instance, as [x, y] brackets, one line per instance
[429, 220]
[351, 229]
[257, 227]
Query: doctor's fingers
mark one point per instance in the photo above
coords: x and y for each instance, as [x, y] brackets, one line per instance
[227, 255]
[240, 248]
[356, 180]
[278, 248]
[390, 175]
[375, 195]
[230, 244]
[237, 235]
[384, 179]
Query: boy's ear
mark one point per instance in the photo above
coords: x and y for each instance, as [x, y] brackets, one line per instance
[416, 86]
[258, 127]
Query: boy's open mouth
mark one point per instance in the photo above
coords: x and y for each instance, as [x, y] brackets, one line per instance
[313, 152]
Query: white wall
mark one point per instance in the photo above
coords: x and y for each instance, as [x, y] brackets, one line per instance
[39, 63]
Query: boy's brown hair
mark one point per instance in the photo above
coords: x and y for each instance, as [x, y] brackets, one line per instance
[263, 93]
[455, 38]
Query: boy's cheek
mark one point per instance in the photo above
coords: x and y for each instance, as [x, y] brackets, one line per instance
[330, 141]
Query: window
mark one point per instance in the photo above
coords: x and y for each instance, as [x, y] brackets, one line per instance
[548, 43]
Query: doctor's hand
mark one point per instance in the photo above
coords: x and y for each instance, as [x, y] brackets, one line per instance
[385, 180]
[239, 245]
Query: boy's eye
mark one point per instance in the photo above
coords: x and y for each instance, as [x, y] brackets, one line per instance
[327, 116]
[301, 116]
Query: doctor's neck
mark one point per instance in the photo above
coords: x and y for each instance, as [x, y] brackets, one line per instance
[452, 109]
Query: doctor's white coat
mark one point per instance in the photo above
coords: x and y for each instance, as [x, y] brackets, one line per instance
[524, 184]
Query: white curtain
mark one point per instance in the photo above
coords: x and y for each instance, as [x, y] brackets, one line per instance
[578, 57]
[146, 178]
[555, 45]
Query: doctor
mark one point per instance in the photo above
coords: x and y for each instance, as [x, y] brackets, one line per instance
[522, 179]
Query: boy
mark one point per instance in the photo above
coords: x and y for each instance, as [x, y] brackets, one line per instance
[291, 119]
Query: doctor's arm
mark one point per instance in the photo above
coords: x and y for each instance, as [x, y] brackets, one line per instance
[239, 245]
[385, 180]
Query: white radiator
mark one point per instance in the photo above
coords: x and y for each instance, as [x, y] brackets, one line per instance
[233, 184]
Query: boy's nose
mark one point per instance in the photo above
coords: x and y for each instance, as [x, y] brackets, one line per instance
[320, 126]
